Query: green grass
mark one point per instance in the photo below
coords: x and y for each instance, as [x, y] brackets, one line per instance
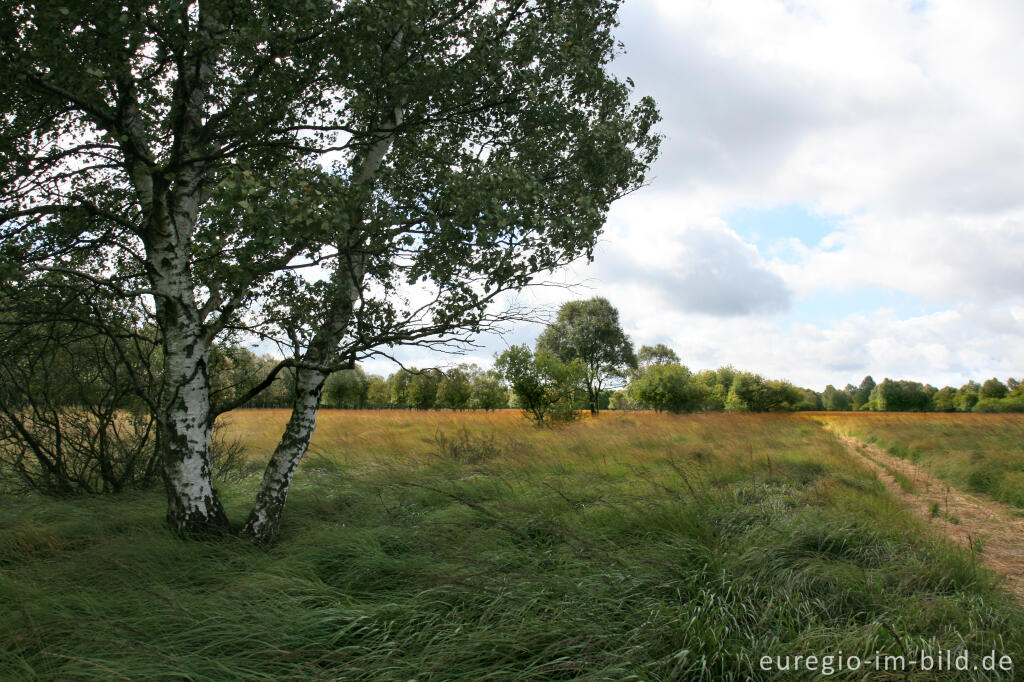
[982, 453]
[647, 547]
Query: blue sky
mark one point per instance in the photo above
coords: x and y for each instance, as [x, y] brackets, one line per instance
[840, 191]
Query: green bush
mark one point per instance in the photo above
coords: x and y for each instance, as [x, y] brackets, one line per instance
[997, 405]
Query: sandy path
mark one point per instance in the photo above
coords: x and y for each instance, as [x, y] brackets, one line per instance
[990, 524]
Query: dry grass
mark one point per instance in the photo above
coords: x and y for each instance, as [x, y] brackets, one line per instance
[467, 546]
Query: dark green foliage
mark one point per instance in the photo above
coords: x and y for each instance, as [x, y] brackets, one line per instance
[455, 389]
[993, 389]
[422, 390]
[487, 391]
[835, 400]
[993, 405]
[347, 389]
[967, 396]
[544, 386]
[863, 393]
[589, 332]
[944, 400]
[753, 393]
[900, 396]
[660, 354]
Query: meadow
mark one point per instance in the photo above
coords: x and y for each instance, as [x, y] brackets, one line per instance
[466, 546]
[981, 453]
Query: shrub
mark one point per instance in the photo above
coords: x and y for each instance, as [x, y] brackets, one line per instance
[993, 405]
[543, 386]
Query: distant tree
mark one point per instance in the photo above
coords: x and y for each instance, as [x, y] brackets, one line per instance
[667, 387]
[715, 385]
[944, 400]
[967, 396]
[1015, 386]
[589, 331]
[811, 400]
[621, 400]
[422, 391]
[347, 389]
[862, 393]
[378, 393]
[454, 389]
[544, 386]
[398, 388]
[753, 393]
[900, 396]
[993, 388]
[486, 391]
[660, 354]
[835, 400]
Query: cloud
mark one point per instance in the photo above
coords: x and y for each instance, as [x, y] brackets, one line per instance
[705, 270]
[898, 123]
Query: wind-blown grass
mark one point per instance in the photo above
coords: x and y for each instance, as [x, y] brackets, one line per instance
[647, 546]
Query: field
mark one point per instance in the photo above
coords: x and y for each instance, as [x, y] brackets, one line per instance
[440, 546]
[982, 453]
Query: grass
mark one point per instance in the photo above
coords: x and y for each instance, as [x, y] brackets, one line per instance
[977, 452]
[473, 546]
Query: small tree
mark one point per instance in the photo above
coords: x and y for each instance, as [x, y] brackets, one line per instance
[589, 331]
[863, 393]
[944, 400]
[347, 389]
[423, 387]
[544, 386]
[378, 393]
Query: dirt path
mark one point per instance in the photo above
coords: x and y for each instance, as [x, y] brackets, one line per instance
[966, 519]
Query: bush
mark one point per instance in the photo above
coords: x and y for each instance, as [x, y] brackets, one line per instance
[993, 405]
[543, 386]
[466, 448]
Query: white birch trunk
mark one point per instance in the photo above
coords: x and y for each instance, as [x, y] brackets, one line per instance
[193, 507]
[265, 517]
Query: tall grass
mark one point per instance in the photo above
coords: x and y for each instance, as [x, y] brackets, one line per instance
[977, 452]
[473, 546]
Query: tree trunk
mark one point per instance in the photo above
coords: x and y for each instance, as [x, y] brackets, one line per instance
[193, 507]
[265, 517]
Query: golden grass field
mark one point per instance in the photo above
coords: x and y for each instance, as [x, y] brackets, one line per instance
[472, 545]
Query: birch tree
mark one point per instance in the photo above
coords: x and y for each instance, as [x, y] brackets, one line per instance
[344, 177]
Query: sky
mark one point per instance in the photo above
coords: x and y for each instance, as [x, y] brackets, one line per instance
[840, 192]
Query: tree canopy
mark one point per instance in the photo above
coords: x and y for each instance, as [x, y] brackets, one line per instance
[197, 158]
[589, 331]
